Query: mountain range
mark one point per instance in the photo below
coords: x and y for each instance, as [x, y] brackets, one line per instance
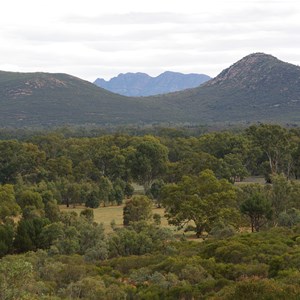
[141, 84]
[259, 87]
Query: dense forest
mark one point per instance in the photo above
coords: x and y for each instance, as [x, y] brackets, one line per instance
[238, 238]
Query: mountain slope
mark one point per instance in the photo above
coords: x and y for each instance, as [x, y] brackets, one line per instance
[43, 99]
[259, 87]
[141, 84]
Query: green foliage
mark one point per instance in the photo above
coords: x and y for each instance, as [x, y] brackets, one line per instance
[69, 242]
[289, 218]
[105, 189]
[232, 168]
[262, 266]
[28, 234]
[148, 162]
[156, 219]
[260, 289]
[222, 231]
[118, 194]
[30, 198]
[6, 239]
[205, 200]
[138, 239]
[92, 200]
[276, 142]
[233, 252]
[280, 194]
[20, 159]
[16, 275]
[222, 144]
[142, 260]
[155, 191]
[129, 189]
[256, 206]
[88, 213]
[51, 234]
[30, 212]
[86, 169]
[52, 211]
[8, 204]
[137, 209]
[59, 167]
[75, 235]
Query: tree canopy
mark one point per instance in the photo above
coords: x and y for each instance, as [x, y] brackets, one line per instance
[203, 199]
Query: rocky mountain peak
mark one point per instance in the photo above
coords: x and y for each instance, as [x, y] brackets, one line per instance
[249, 69]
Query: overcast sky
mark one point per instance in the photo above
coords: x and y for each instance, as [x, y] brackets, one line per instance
[95, 38]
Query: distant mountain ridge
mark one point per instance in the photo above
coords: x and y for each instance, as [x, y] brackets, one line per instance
[257, 88]
[141, 84]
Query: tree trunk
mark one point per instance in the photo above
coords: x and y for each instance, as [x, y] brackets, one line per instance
[199, 230]
[252, 224]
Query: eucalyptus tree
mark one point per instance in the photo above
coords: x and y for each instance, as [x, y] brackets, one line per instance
[148, 162]
[278, 145]
[203, 199]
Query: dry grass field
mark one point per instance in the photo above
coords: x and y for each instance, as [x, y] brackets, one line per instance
[252, 179]
[105, 215]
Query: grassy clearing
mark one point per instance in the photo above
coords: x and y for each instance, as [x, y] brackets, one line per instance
[253, 179]
[106, 214]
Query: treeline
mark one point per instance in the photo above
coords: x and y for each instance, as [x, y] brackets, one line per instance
[262, 149]
[169, 129]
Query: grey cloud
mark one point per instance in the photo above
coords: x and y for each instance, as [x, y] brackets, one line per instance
[257, 13]
[41, 35]
[204, 27]
[131, 18]
[266, 41]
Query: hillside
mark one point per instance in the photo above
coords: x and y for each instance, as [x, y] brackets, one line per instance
[259, 87]
[43, 99]
[141, 84]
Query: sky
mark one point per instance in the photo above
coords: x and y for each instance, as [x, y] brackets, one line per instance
[95, 38]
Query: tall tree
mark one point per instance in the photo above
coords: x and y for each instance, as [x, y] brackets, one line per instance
[256, 206]
[105, 190]
[203, 199]
[280, 194]
[277, 144]
[232, 168]
[148, 162]
[28, 234]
